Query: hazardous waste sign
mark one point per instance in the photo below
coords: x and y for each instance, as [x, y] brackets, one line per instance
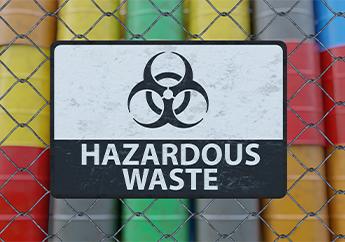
[168, 119]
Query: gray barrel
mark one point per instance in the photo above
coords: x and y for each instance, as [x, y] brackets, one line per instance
[270, 25]
[84, 220]
[223, 217]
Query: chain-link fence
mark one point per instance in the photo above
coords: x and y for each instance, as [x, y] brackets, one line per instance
[313, 209]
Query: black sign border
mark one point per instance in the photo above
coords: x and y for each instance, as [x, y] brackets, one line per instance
[279, 43]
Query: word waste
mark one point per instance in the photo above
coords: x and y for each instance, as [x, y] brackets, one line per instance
[184, 159]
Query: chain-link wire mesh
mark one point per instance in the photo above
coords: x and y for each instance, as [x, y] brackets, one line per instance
[28, 164]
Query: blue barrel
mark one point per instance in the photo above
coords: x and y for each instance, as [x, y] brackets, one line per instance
[332, 35]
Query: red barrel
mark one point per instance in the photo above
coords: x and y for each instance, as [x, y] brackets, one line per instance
[334, 84]
[24, 195]
[305, 96]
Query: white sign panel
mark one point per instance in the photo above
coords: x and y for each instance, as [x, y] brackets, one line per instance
[169, 119]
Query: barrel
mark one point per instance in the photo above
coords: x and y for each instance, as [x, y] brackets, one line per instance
[305, 108]
[331, 25]
[88, 20]
[283, 215]
[219, 19]
[154, 20]
[24, 99]
[228, 219]
[166, 217]
[154, 220]
[222, 217]
[85, 219]
[29, 19]
[332, 40]
[282, 28]
[24, 135]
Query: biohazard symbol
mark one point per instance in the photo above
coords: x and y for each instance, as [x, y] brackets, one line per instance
[184, 85]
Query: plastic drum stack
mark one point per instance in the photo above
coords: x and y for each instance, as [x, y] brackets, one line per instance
[24, 119]
[85, 219]
[305, 102]
[332, 38]
[223, 216]
[167, 215]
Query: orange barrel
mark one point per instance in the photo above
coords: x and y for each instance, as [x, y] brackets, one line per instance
[223, 216]
[332, 38]
[294, 217]
[336, 177]
[29, 18]
[219, 19]
[85, 219]
[24, 139]
[85, 19]
[284, 215]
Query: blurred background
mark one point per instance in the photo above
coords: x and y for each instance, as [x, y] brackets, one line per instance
[312, 210]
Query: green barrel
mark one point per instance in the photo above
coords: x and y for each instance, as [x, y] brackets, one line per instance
[155, 220]
[154, 20]
[147, 219]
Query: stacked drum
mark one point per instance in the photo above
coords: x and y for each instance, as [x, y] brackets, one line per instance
[24, 118]
[223, 218]
[332, 46]
[299, 213]
[156, 20]
[85, 219]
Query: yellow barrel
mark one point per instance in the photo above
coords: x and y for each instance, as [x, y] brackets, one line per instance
[87, 20]
[26, 97]
[227, 15]
[336, 177]
[27, 18]
[284, 214]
